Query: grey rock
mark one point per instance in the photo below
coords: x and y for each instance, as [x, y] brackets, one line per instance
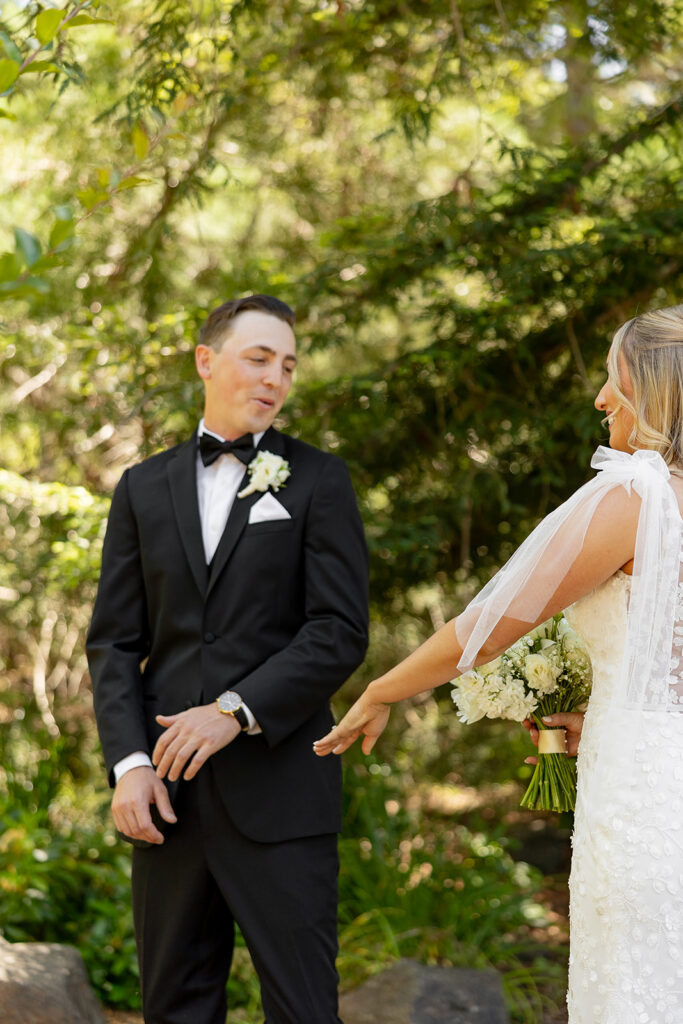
[45, 983]
[411, 993]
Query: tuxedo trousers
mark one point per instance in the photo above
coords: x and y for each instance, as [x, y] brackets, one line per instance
[188, 894]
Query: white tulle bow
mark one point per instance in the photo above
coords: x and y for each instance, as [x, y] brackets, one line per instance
[609, 461]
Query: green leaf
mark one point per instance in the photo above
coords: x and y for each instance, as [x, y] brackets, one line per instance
[25, 287]
[47, 24]
[132, 181]
[40, 65]
[10, 266]
[63, 212]
[9, 72]
[28, 245]
[140, 142]
[90, 197]
[85, 19]
[61, 231]
[7, 114]
[10, 47]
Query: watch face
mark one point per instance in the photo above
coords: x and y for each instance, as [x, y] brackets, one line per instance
[229, 702]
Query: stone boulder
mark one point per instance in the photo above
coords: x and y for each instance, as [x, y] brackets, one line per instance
[411, 993]
[45, 983]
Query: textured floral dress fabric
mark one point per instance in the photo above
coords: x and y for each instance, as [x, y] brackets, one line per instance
[626, 883]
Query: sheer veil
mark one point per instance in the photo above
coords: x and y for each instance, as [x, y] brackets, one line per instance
[521, 590]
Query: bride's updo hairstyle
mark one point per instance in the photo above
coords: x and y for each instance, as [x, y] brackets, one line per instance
[652, 346]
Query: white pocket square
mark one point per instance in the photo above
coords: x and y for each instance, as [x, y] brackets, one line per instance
[267, 509]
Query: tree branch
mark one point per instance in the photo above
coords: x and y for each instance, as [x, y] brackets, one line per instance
[460, 34]
[41, 653]
[38, 381]
[576, 352]
[149, 232]
[34, 53]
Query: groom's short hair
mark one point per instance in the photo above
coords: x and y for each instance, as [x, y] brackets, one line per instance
[217, 324]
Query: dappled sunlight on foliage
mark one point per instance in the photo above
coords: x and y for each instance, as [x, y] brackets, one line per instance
[462, 200]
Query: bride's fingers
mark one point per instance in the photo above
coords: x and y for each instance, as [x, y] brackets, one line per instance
[360, 719]
[347, 740]
[325, 745]
[571, 720]
[335, 743]
[532, 730]
[335, 737]
[368, 743]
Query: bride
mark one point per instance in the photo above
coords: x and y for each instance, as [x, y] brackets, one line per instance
[611, 555]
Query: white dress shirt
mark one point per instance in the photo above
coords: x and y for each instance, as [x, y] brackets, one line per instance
[217, 487]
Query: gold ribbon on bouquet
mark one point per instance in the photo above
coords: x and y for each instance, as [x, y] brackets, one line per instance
[552, 741]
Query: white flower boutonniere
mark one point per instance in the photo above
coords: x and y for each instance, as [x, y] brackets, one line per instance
[266, 470]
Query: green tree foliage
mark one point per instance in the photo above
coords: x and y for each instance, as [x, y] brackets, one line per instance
[462, 200]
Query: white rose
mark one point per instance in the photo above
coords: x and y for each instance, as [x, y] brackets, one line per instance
[541, 673]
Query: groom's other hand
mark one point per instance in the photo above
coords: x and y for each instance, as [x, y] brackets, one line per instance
[134, 794]
[190, 738]
[570, 721]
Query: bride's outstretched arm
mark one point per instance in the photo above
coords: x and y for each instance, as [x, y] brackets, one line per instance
[606, 543]
[432, 664]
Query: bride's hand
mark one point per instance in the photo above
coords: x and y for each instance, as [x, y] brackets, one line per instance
[363, 718]
[570, 721]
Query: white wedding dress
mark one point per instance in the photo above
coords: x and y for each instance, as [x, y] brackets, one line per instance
[626, 883]
[626, 907]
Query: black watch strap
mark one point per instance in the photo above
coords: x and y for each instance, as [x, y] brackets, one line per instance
[241, 716]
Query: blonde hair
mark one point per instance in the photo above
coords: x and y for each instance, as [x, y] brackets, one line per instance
[652, 346]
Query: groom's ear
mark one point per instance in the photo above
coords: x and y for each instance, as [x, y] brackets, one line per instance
[203, 357]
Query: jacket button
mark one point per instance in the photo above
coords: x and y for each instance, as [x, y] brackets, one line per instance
[209, 638]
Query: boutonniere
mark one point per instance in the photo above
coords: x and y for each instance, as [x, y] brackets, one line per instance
[266, 470]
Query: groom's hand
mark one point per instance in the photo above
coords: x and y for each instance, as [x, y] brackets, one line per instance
[130, 807]
[190, 738]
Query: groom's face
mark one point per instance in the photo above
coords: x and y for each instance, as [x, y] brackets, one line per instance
[247, 378]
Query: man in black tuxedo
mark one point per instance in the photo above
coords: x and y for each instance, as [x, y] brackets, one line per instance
[229, 610]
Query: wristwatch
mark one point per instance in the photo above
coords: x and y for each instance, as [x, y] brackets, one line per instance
[230, 703]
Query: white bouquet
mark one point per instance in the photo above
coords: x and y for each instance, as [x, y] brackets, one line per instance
[545, 672]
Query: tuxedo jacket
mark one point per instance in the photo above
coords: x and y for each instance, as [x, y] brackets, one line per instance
[280, 616]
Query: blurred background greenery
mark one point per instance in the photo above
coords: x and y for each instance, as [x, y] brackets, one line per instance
[461, 199]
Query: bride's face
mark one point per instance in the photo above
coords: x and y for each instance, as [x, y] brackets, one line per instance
[619, 419]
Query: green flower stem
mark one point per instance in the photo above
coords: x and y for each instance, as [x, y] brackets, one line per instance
[553, 784]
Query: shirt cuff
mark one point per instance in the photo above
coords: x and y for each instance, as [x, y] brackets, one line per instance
[137, 760]
[254, 728]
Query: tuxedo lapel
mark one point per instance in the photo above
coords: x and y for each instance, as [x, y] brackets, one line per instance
[239, 513]
[182, 478]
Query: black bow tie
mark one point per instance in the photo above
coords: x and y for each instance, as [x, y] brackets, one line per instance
[210, 448]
